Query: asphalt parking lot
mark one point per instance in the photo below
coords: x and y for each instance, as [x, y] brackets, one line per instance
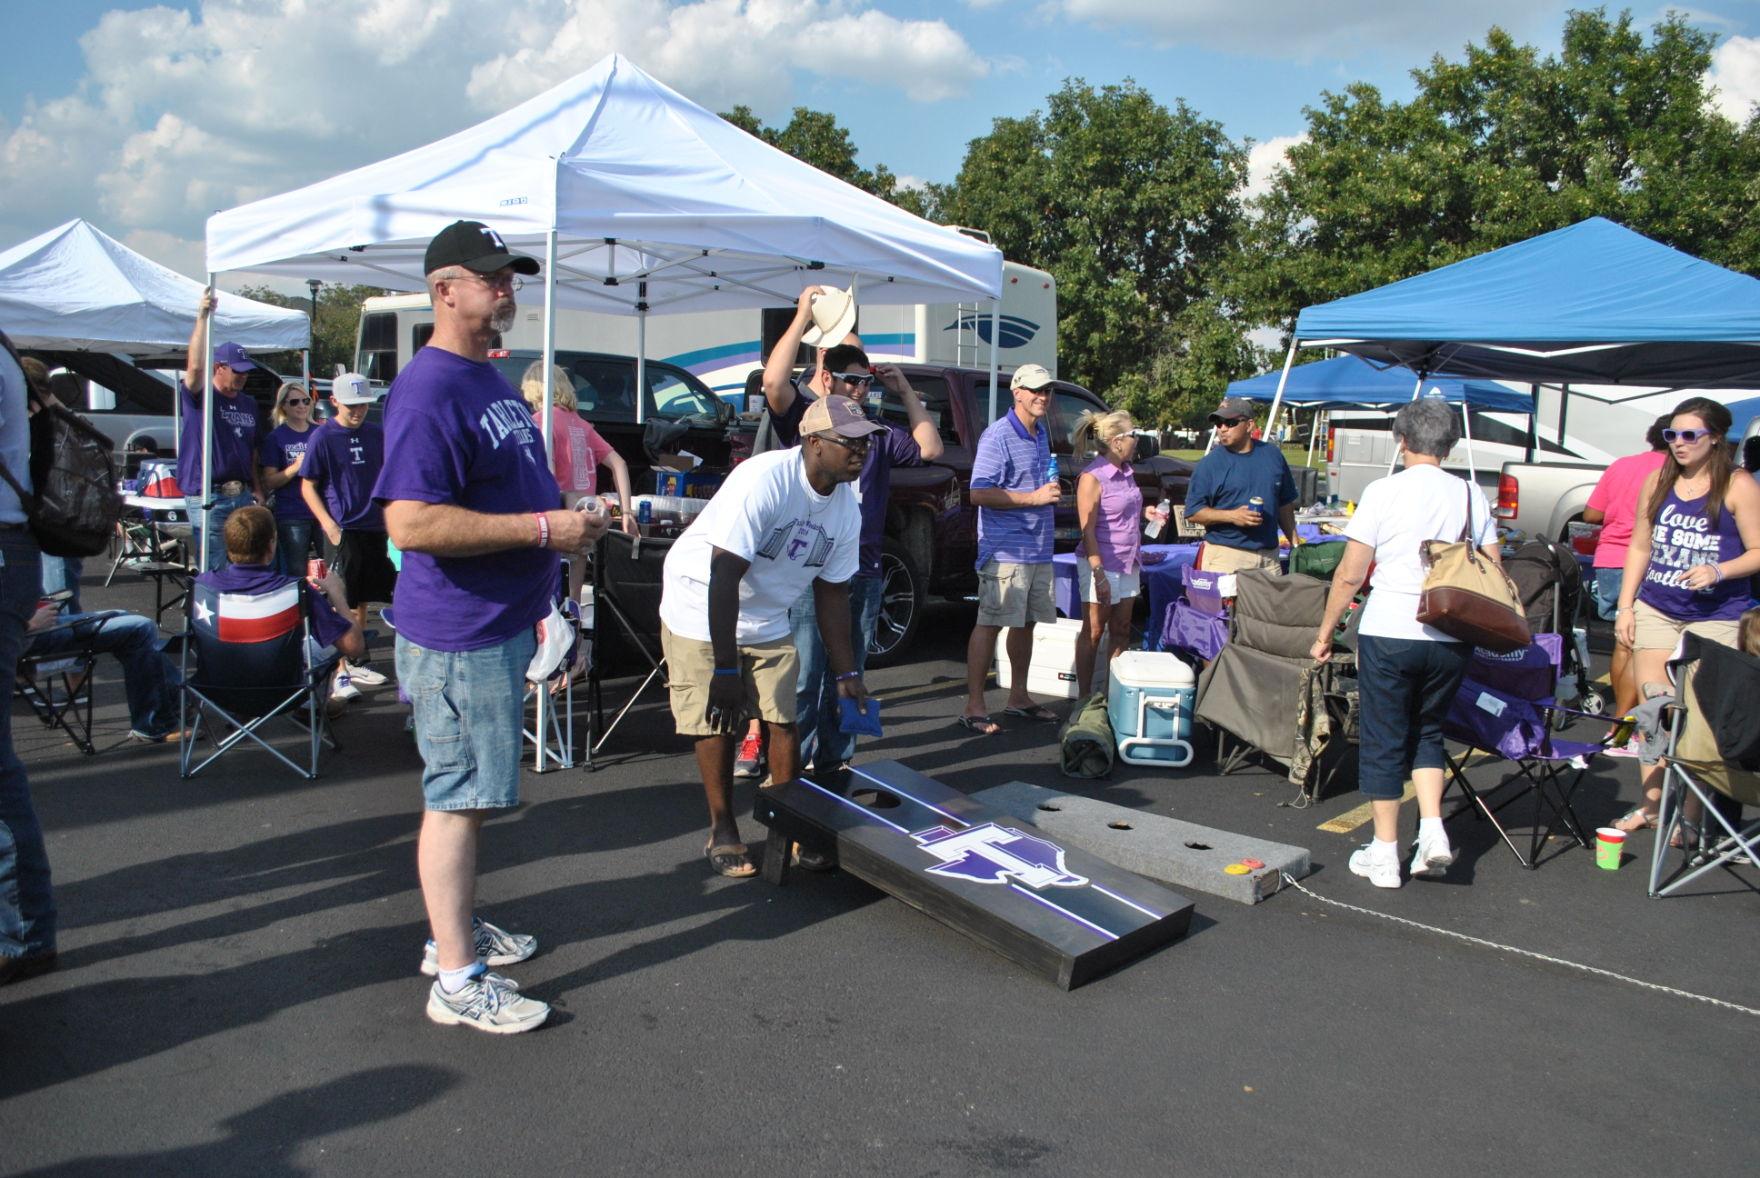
[238, 989]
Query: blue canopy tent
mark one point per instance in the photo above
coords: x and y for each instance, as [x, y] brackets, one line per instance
[1592, 303]
[1352, 381]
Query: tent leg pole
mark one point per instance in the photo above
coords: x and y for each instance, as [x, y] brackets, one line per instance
[641, 389]
[207, 360]
[1533, 421]
[1289, 361]
[1467, 428]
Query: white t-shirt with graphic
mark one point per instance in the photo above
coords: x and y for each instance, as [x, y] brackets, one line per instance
[765, 513]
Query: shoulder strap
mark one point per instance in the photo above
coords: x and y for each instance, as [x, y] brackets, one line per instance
[25, 498]
[1467, 523]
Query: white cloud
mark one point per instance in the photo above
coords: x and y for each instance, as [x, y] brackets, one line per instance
[1264, 160]
[181, 113]
[1302, 29]
[1735, 72]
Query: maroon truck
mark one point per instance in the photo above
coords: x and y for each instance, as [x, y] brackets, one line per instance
[931, 525]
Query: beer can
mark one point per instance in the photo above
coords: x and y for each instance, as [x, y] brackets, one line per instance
[317, 569]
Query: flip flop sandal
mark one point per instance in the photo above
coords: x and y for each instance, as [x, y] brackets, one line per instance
[1038, 713]
[1634, 820]
[730, 859]
[982, 725]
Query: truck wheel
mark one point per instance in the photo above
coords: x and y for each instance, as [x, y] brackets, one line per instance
[902, 597]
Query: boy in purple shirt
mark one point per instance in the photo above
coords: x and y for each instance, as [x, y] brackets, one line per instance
[235, 481]
[1014, 492]
[342, 464]
[470, 500]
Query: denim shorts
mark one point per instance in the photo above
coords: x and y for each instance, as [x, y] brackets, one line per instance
[470, 720]
[1405, 686]
[1605, 589]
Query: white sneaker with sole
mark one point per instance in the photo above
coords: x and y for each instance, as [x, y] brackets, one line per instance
[487, 1003]
[1380, 870]
[365, 676]
[344, 689]
[495, 947]
[1432, 856]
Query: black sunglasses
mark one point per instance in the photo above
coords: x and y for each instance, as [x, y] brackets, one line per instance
[1689, 436]
[297, 401]
[1231, 422]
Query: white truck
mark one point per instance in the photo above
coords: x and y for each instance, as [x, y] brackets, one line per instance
[722, 347]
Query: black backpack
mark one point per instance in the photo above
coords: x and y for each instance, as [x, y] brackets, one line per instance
[1547, 577]
[76, 506]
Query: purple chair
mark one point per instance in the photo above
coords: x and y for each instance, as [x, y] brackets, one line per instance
[1505, 709]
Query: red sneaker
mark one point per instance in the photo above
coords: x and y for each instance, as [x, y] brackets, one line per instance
[748, 763]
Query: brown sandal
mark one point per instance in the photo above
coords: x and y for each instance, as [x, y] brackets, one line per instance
[731, 860]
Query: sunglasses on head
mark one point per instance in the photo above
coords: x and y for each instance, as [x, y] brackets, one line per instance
[1689, 436]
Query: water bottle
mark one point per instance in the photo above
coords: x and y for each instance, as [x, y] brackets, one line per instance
[586, 625]
[1153, 531]
[1051, 470]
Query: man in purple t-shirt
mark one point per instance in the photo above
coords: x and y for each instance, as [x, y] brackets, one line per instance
[342, 465]
[470, 500]
[235, 480]
[842, 369]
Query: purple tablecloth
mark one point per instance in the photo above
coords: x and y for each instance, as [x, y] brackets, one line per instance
[1161, 582]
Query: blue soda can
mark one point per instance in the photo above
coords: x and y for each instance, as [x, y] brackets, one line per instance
[645, 512]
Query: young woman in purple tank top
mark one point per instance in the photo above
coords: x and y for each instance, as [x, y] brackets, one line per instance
[1695, 546]
[1108, 562]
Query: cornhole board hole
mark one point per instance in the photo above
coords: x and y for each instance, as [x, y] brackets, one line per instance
[1184, 854]
[1061, 913]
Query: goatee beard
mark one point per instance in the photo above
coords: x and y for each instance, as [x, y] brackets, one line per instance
[502, 319]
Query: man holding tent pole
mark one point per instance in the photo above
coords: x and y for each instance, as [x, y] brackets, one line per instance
[235, 479]
[470, 500]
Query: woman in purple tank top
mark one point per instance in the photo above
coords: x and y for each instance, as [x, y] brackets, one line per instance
[1694, 549]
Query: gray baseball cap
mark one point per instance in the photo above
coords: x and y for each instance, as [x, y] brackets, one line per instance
[1233, 407]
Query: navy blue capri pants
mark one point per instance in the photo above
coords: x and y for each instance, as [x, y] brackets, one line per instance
[1404, 687]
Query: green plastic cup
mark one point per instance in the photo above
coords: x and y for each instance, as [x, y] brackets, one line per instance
[1610, 845]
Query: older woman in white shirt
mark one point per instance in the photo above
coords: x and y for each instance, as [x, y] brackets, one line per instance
[1407, 672]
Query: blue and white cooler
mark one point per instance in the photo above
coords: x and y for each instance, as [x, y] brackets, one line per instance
[1150, 703]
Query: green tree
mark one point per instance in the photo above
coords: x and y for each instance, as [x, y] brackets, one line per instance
[1499, 146]
[333, 334]
[1131, 206]
[815, 137]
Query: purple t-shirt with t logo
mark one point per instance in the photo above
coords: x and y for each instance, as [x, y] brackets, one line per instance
[345, 464]
[456, 432]
[235, 440]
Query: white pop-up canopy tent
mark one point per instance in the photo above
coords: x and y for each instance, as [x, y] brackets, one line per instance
[75, 288]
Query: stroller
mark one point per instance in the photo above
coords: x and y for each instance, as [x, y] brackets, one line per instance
[1550, 584]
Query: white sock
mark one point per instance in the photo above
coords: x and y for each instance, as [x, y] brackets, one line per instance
[454, 980]
[1381, 850]
[1431, 827]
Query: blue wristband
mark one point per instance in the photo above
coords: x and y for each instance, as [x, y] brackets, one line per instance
[848, 675]
[726, 670]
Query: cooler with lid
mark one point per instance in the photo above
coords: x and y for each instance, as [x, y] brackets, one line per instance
[1150, 703]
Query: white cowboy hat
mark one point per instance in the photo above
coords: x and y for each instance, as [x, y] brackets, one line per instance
[834, 315]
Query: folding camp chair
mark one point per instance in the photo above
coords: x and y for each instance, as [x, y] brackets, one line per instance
[626, 589]
[1506, 710]
[1713, 754]
[250, 666]
[58, 688]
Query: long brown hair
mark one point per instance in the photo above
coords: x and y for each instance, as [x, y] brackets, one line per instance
[1717, 419]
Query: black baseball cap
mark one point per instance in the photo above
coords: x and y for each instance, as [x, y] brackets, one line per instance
[474, 246]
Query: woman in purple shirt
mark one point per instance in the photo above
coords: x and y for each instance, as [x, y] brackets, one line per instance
[1694, 547]
[281, 454]
[1110, 507]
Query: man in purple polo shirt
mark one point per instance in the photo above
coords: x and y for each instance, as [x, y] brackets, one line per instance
[342, 464]
[235, 481]
[843, 370]
[1014, 492]
[470, 500]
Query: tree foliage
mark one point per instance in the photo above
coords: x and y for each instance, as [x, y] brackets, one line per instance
[816, 137]
[333, 334]
[1132, 206]
[1497, 147]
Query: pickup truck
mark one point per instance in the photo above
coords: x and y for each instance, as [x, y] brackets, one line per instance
[1544, 498]
[931, 543]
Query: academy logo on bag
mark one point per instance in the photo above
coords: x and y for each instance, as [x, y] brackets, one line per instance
[992, 854]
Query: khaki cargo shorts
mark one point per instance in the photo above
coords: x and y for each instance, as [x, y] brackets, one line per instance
[767, 671]
[1219, 558]
[1014, 594]
[1657, 631]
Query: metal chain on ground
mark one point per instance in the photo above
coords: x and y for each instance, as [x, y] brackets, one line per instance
[1589, 969]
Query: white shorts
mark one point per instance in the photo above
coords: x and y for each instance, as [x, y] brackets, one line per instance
[1124, 586]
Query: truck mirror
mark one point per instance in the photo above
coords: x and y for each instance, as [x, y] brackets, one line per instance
[99, 399]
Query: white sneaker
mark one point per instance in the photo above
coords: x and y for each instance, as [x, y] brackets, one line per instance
[1380, 870]
[344, 689]
[487, 1003]
[495, 946]
[1433, 855]
[365, 676]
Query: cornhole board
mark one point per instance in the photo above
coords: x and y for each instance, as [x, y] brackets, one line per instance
[1064, 914]
[1184, 854]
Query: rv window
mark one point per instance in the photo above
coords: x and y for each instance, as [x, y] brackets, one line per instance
[419, 335]
[379, 332]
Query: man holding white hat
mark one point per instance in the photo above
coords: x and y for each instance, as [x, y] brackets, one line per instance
[342, 463]
[824, 318]
[236, 480]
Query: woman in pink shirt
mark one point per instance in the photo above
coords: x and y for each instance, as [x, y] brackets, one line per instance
[1108, 562]
[1614, 505]
[576, 453]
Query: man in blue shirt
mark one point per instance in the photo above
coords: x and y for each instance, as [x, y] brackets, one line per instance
[1230, 491]
[1015, 493]
[236, 480]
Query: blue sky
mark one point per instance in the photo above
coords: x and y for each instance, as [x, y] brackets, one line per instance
[145, 118]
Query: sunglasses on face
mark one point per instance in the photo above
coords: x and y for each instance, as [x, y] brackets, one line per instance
[860, 380]
[1689, 436]
[297, 401]
[1231, 422]
[853, 445]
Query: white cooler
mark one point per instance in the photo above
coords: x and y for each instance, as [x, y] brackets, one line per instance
[1150, 705]
[1052, 670]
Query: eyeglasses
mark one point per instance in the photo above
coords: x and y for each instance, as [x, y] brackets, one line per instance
[297, 401]
[1689, 436]
[860, 379]
[853, 445]
[510, 281]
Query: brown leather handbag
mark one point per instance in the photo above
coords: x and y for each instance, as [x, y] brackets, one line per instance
[1468, 596]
